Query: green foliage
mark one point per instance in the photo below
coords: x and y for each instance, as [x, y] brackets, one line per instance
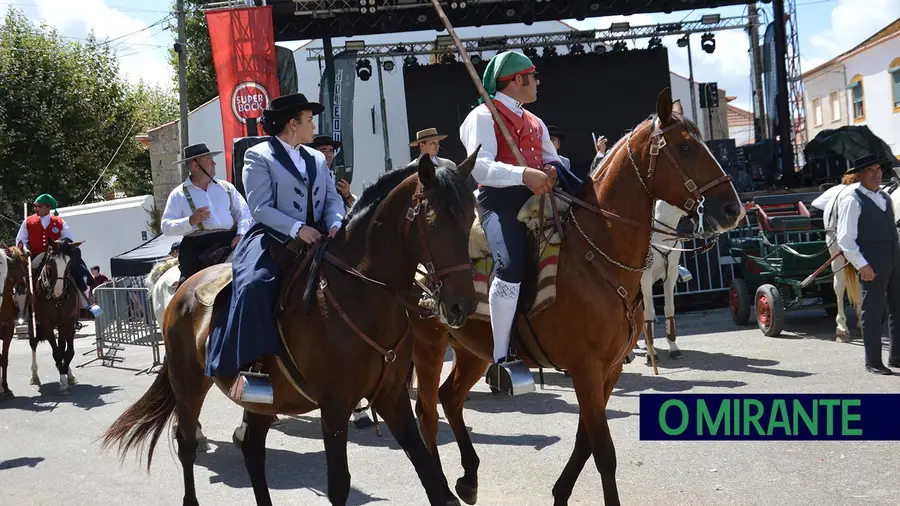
[200, 69]
[64, 110]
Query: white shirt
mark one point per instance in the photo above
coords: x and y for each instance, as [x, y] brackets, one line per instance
[478, 128]
[848, 219]
[22, 236]
[217, 197]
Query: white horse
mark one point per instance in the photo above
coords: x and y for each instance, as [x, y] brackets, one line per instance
[665, 268]
[837, 266]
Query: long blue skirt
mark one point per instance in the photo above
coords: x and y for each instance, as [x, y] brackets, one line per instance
[248, 330]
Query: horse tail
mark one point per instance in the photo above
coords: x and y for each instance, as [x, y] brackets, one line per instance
[145, 418]
[851, 278]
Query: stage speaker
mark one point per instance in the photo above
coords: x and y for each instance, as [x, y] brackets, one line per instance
[240, 146]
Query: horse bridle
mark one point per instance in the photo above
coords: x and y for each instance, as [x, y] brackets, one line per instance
[433, 277]
[47, 281]
[658, 144]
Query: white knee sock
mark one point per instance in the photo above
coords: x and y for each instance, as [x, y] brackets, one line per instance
[503, 299]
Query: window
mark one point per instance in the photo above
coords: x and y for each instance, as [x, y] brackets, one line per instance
[894, 72]
[857, 99]
[817, 110]
[835, 99]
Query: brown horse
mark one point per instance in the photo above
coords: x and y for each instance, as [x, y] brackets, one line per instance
[13, 278]
[409, 216]
[55, 305]
[596, 317]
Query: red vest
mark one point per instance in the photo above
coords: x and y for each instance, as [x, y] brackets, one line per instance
[526, 132]
[38, 235]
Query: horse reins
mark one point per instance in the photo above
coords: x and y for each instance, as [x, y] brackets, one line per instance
[418, 205]
[46, 280]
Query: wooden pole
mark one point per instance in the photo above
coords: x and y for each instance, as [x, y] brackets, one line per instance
[477, 80]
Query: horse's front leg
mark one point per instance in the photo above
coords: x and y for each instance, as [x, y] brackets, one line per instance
[397, 412]
[669, 297]
[842, 333]
[5, 392]
[33, 341]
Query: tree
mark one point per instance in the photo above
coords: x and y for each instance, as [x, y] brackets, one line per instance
[64, 110]
[154, 107]
[200, 69]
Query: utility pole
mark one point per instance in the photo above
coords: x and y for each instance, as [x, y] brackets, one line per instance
[181, 49]
[782, 99]
[756, 55]
[696, 119]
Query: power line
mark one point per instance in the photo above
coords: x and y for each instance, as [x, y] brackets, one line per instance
[116, 7]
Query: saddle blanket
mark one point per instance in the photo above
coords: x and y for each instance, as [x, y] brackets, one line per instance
[483, 262]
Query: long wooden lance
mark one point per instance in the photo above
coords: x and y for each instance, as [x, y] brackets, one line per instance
[498, 120]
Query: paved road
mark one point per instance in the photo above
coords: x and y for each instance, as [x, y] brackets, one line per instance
[49, 453]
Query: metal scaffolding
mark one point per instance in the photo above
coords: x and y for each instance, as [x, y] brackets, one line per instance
[584, 40]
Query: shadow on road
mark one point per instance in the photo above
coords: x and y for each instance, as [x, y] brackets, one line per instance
[82, 396]
[20, 462]
[285, 470]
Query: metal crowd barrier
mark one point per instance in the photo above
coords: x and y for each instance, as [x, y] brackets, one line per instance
[127, 319]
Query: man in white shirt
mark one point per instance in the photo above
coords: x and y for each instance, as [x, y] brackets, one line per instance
[210, 213]
[867, 235]
[504, 186]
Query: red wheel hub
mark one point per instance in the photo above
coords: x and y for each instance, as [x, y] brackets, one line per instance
[763, 311]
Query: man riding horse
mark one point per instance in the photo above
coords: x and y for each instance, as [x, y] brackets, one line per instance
[42, 227]
[291, 195]
[511, 80]
[210, 213]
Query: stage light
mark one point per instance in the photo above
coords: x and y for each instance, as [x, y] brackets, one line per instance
[530, 52]
[476, 59]
[388, 65]
[655, 43]
[708, 42]
[683, 42]
[599, 49]
[549, 51]
[711, 19]
[410, 61]
[576, 49]
[620, 46]
[620, 27]
[448, 58]
[363, 69]
[354, 45]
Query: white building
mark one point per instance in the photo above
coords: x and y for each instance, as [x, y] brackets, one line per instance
[205, 124]
[859, 87]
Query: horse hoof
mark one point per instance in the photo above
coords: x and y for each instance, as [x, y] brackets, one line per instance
[203, 445]
[468, 494]
[237, 437]
[843, 336]
[628, 358]
[453, 502]
[35, 381]
[655, 356]
[8, 394]
[73, 380]
[276, 421]
[676, 354]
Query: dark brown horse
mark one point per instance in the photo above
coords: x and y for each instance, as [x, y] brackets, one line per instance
[408, 217]
[55, 305]
[13, 278]
[597, 315]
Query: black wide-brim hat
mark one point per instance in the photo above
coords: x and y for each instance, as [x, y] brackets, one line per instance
[295, 102]
[324, 140]
[865, 161]
[555, 132]
[196, 151]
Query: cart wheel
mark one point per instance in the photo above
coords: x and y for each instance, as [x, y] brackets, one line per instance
[739, 301]
[769, 310]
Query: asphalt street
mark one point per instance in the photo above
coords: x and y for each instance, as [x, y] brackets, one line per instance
[50, 454]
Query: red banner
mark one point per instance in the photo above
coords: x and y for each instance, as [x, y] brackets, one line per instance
[243, 50]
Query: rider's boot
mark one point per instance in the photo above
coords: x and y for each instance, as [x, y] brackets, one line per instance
[507, 374]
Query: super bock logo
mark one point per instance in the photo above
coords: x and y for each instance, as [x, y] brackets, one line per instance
[249, 100]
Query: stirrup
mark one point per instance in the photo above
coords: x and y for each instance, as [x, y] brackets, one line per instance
[511, 377]
[252, 386]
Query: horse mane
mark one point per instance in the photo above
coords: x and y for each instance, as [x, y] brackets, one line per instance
[451, 190]
[159, 269]
[4, 270]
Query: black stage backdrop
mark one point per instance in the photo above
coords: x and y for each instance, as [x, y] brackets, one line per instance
[606, 94]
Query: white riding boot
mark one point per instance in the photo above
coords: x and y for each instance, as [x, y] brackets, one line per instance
[503, 299]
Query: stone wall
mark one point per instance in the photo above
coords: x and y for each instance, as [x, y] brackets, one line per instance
[164, 151]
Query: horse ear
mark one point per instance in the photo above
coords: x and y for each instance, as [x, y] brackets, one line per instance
[465, 168]
[77, 244]
[664, 106]
[426, 171]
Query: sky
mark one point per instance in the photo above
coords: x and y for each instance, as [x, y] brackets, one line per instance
[826, 27]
